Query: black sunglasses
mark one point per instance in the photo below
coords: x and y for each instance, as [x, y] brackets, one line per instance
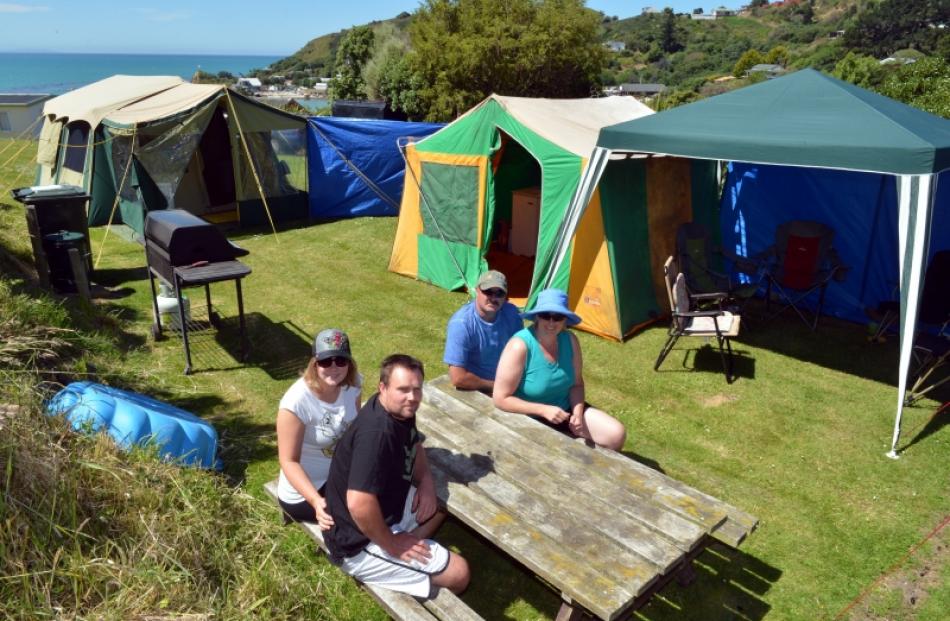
[339, 361]
[551, 317]
[495, 293]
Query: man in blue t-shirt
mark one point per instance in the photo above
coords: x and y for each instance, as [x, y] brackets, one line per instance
[477, 334]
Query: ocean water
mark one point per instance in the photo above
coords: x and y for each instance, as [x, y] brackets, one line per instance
[57, 73]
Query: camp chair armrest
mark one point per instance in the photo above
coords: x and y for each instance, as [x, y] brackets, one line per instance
[709, 313]
[718, 295]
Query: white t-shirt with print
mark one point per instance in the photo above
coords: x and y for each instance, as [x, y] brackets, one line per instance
[324, 425]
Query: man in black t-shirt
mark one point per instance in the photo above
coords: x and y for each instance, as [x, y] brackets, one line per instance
[381, 495]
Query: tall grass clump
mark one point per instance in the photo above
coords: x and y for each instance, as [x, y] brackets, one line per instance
[89, 531]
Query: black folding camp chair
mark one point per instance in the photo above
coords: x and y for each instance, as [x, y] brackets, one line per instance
[688, 321]
[801, 262]
[932, 351]
[694, 254]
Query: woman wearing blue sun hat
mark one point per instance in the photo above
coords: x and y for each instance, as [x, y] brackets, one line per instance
[540, 374]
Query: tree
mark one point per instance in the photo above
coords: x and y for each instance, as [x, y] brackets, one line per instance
[669, 42]
[924, 84]
[778, 55]
[806, 11]
[464, 50]
[857, 69]
[748, 60]
[356, 48]
[897, 24]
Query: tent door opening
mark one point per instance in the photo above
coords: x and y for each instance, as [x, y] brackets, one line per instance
[213, 158]
[515, 220]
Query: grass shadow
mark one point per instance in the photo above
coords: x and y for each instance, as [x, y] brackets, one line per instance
[835, 344]
[241, 439]
[729, 585]
[939, 420]
[705, 358]
[113, 277]
[280, 349]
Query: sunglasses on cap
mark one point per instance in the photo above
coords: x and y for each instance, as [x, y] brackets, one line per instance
[494, 292]
[339, 361]
[556, 317]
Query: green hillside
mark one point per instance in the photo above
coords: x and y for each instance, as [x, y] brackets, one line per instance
[692, 57]
[316, 58]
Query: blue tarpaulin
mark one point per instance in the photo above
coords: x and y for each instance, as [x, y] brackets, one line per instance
[355, 165]
[860, 207]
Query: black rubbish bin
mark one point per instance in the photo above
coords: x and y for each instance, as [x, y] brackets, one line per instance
[57, 246]
[55, 209]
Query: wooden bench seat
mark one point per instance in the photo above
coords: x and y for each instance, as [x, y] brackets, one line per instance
[445, 606]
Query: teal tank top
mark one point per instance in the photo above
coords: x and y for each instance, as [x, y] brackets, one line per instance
[547, 382]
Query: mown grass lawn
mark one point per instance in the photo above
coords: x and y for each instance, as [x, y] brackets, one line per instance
[798, 440]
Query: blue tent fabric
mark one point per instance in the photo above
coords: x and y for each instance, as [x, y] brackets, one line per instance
[335, 146]
[861, 208]
[131, 418]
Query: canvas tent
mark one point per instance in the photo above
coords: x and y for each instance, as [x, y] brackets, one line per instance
[159, 142]
[810, 120]
[465, 193]
[355, 166]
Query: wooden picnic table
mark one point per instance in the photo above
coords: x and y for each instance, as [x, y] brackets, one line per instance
[603, 529]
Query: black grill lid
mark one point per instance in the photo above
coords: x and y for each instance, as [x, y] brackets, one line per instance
[187, 239]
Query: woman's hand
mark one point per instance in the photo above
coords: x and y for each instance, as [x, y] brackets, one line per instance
[577, 424]
[554, 414]
[324, 521]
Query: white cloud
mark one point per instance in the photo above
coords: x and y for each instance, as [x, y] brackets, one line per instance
[21, 8]
[156, 15]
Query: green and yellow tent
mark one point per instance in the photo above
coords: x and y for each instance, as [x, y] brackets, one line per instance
[139, 143]
[460, 208]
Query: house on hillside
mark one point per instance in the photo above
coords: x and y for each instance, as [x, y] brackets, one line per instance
[770, 71]
[19, 112]
[249, 85]
[723, 12]
[642, 91]
[615, 46]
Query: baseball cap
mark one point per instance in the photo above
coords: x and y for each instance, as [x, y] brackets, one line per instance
[493, 279]
[331, 342]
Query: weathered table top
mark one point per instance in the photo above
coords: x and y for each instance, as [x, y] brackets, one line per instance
[601, 528]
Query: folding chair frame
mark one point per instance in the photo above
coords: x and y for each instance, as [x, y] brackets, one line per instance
[793, 297]
[680, 320]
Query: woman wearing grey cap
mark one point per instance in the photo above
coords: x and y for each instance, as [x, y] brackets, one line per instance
[313, 414]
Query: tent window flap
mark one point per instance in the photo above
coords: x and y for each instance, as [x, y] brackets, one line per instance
[450, 202]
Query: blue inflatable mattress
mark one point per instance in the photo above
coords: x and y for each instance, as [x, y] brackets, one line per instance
[131, 418]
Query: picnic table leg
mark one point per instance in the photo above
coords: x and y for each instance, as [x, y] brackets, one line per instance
[568, 612]
[687, 574]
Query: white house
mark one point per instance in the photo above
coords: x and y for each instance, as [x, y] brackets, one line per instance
[615, 46]
[250, 85]
[18, 112]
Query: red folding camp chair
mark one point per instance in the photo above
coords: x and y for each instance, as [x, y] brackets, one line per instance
[801, 262]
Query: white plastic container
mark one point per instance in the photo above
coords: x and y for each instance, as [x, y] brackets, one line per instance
[168, 307]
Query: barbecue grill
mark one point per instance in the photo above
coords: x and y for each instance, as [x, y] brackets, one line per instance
[185, 251]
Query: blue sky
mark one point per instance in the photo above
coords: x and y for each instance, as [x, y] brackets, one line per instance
[272, 27]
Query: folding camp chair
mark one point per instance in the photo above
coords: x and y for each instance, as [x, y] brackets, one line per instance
[801, 262]
[694, 253]
[686, 321]
[932, 351]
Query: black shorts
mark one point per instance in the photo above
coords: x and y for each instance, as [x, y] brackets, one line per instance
[564, 426]
[301, 511]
